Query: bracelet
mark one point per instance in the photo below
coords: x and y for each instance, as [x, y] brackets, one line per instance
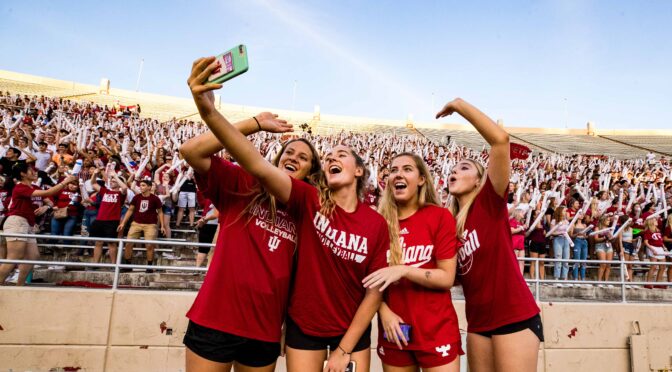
[258, 125]
[343, 350]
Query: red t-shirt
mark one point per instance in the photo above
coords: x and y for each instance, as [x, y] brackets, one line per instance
[110, 204]
[494, 289]
[64, 199]
[654, 238]
[247, 287]
[518, 239]
[335, 255]
[426, 237]
[145, 209]
[22, 203]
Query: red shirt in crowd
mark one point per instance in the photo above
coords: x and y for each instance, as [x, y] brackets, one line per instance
[426, 237]
[22, 203]
[247, 287]
[110, 204]
[654, 238]
[145, 209]
[518, 239]
[494, 289]
[335, 255]
[65, 199]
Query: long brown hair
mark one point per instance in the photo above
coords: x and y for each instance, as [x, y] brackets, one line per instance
[264, 197]
[327, 203]
[388, 205]
[462, 212]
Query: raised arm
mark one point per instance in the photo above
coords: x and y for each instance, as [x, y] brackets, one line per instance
[271, 178]
[198, 150]
[499, 169]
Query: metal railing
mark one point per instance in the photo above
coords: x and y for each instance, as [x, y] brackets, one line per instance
[622, 282]
[117, 266]
[536, 281]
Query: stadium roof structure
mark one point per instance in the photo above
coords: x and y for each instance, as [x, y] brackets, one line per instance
[590, 141]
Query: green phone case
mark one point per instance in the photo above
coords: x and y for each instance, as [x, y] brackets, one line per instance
[233, 62]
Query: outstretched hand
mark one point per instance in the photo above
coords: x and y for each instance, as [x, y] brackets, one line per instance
[269, 122]
[449, 108]
[200, 90]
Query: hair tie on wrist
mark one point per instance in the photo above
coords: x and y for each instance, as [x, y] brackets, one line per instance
[255, 119]
[343, 350]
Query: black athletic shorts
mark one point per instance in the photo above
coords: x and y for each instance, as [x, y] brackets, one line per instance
[104, 229]
[205, 235]
[296, 339]
[222, 347]
[538, 248]
[533, 324]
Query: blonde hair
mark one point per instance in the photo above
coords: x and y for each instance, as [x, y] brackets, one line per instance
[388, 205]
[651, 225]
[327, 202]
[461, 213]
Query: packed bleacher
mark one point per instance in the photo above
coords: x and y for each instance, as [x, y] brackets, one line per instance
[615, 201]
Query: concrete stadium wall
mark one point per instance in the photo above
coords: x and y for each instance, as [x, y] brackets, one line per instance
[101, 330]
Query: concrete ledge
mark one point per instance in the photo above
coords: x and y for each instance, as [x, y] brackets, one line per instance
[45, 357]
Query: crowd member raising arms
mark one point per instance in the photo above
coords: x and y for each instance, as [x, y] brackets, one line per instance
[422, 260]
[329, 308]
[504, 326]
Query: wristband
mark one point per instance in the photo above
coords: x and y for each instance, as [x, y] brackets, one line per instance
[343, 350]
[258, 125]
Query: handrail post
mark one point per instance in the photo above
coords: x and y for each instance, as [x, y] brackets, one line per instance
[120, 252]
[622, 264]
[536, 279]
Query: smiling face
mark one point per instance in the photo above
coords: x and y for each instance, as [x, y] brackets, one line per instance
[340, 167]
[465, 177]
[296, 160]
[405, 179]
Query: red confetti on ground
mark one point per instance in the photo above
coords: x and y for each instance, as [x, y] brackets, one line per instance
[144, 347]
[1, 329]
[572, 333]
[550, 304]
[163, 326]
[71, 369]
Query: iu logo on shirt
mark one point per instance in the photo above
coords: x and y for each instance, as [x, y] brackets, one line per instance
[444, 349]
[465, 256]
[273, 243]
[144, 206]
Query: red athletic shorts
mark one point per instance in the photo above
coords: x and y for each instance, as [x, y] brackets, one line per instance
[427, 358]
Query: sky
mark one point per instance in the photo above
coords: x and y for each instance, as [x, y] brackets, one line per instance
[551, 64]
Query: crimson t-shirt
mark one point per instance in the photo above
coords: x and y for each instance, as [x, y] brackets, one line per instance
[654, 238]
[110, 204]
[246, 290]
[494, 289]
[145, 209]
[426, 237]
[335, 254]
[517, 239]
[65, 199]
[22, 203]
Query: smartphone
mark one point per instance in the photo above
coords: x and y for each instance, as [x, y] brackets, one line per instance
[405, 329]
[232, 63]
[351, 367]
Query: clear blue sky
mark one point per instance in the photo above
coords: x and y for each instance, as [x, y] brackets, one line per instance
[522, 61]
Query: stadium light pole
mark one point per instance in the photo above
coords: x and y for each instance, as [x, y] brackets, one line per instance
[137, 83]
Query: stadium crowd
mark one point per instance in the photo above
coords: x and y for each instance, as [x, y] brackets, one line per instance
[101, 167]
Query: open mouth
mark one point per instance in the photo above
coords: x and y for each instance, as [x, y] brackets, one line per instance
[400, 186]
[335, 169]
[290, 167]
[452, 179]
